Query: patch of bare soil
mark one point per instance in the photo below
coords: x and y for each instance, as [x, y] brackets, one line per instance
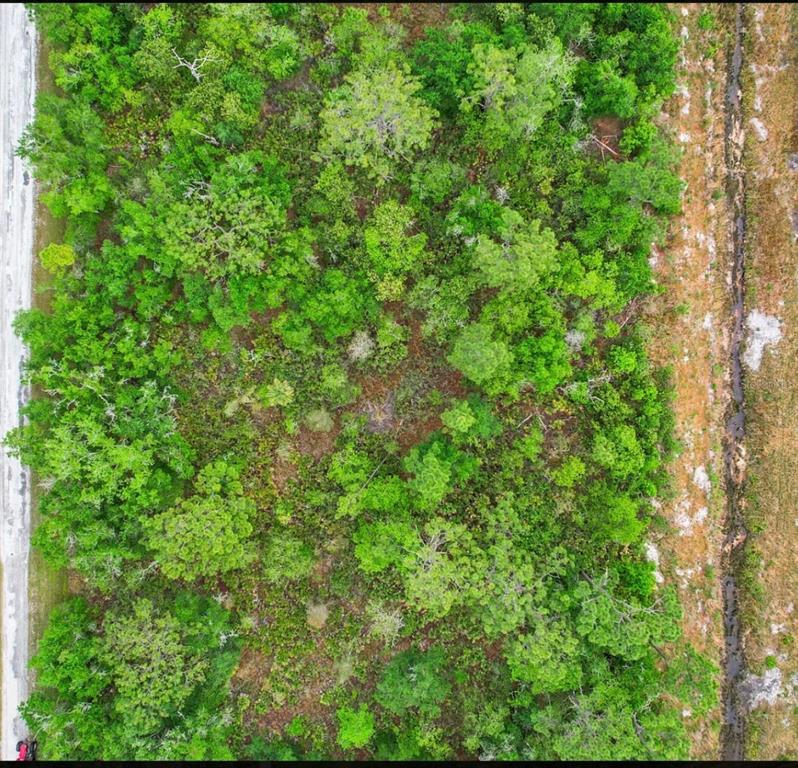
[378, 398]
[414, 17]
[252, 676]
[606, 137]
[690, 335]
[771, 620]
[317, 444]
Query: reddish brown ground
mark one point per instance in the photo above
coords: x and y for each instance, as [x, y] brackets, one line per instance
[689, 322]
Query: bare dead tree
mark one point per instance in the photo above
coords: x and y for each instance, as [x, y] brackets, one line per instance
[194, 67]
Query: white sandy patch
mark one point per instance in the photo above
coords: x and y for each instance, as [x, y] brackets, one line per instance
[759, 128]
[761, 690]
[685, 521]
[652, 555]
[701, 479]
[762, 330]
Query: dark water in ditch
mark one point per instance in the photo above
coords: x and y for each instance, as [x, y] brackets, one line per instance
[733, 731]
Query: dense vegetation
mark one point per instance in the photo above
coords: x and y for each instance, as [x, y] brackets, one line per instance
[346, 429]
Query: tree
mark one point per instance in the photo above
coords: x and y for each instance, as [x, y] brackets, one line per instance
[523, 257]
[56, 257]
[355, 727]
[384, 543]
[459, 418]
[105, 463]
[618, 450]
[391, 251]
[66, 144]
[153, 671]
[230, 224]
[444, 61]
[286, 558]
[414, 680]
[481, 358]
[207, 533]
[92, 60]
[433, 475]
[515, 89]
[67, 711]
[375, 120]
[146, 675]
[547, 658]
[437, 570]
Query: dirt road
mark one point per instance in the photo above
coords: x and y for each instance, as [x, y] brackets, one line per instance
[17, 91]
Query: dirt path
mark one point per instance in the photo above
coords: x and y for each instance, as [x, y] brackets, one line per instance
[770, 597]
[17, 90]
[690, 334]
[735, 532]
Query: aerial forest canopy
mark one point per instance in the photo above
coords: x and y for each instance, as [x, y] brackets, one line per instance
[346, 428]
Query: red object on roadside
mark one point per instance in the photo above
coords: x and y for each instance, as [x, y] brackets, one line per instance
[22, 750]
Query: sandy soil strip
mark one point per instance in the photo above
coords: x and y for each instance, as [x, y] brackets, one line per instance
[17, 92]
[690, 335]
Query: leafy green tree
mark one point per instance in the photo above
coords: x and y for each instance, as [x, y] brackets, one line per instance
[432, 479]
[355, 727]
[67, 710]
[569, 472]
[547, 658]
[207, 533]
[618, 450]
[517, 263]
[481, 358]
[459, 418]
[251, 34]
[286, 558]
[516, 89]
[438, 568]
[391, 252]
[105, 464]
[614, 516]
[414, 680]
[375, 119]
[606, 723]
[56, 257]
[622, 627]
[230, 224]
[115, 687]
[444, 61]
[92, 59]
[337, 305]
[161, 30]
[152, 669]
[67, 147]
[384, 543]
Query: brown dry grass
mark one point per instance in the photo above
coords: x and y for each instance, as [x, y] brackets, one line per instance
[690, 336]
[771, 95]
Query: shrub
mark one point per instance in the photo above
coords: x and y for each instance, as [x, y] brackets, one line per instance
[355, 727]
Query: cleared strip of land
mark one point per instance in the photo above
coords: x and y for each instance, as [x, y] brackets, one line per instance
[770, 598]
[690, 326]
[17, 91]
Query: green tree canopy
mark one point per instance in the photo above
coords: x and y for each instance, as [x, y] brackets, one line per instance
[375, 120]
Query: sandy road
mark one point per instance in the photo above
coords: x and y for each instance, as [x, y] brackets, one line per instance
[17, 91]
